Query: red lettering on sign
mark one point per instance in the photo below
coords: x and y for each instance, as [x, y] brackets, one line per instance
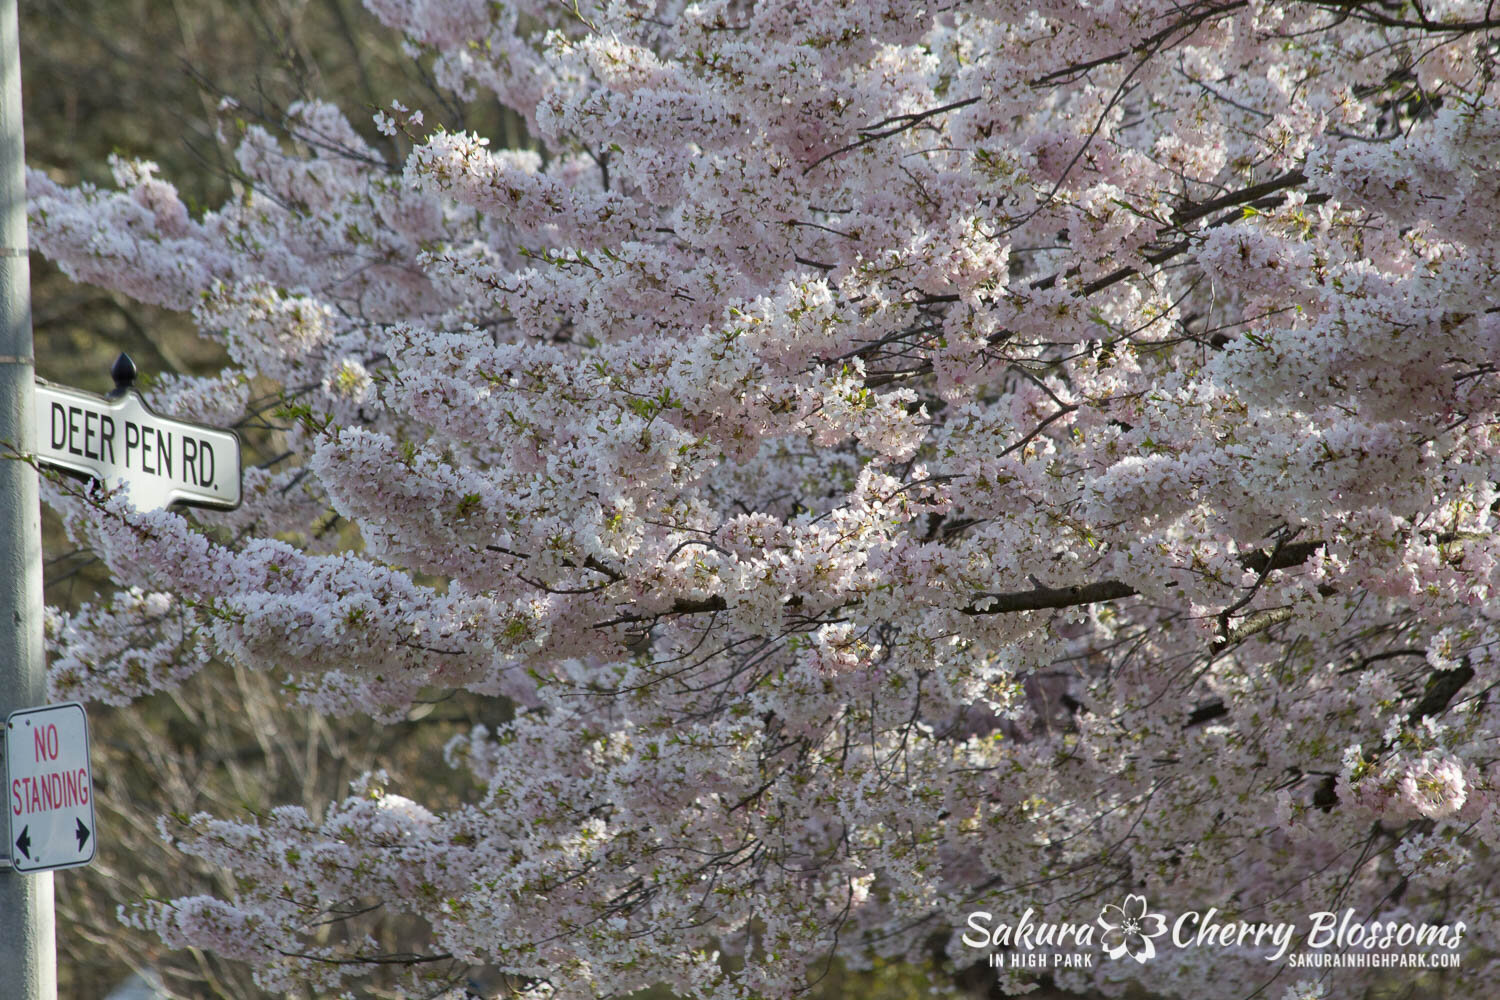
[44, 740]
[54, 790]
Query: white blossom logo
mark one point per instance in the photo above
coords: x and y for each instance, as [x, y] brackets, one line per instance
[1130, 928]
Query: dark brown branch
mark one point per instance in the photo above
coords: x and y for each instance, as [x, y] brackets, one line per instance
[1194, 212]
[1258, 195]
[1040, 598]
[1254, 625]
[1294, 554]
[1038, 429]
[1036, 599]
[406, 958]
[897, 124]
[1146, 43]
[1207, 713]
[877, 130]
[1049, 597]
[1441, 687]
[1362, 10]
[682, 606]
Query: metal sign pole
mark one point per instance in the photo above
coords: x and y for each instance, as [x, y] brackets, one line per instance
[28, 957]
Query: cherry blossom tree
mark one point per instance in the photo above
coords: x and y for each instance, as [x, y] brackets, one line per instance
[898, 460]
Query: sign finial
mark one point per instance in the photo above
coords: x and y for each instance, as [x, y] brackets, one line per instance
[123, 373]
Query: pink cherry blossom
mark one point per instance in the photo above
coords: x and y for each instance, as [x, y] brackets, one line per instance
[894, 461]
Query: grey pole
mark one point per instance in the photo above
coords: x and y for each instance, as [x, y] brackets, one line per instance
[28, 955]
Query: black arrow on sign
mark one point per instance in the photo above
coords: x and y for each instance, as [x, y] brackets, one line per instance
[24, 841]
[82, 833]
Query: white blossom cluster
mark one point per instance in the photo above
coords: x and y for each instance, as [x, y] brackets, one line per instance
[900, 459]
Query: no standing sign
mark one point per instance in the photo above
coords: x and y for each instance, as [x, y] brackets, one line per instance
[49, 788]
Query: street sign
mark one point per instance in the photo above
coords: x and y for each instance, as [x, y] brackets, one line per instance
[50, 788]
[117, 439]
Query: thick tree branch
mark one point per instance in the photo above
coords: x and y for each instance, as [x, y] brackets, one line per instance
[1254, 625]
[1036, 599]
[1043, 598]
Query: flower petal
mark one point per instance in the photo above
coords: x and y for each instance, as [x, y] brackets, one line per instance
[1145, 951]
[1110, 920]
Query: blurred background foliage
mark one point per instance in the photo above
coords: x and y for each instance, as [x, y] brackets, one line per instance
[143, 79]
